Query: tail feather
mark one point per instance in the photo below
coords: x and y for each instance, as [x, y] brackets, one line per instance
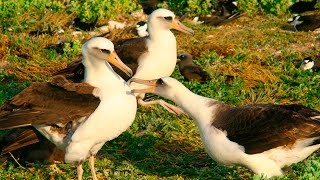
[25, 138]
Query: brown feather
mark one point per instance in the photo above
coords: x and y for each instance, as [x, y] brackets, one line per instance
[194, 72]
[28, 145]
[48, 103]
[27, 137]
[191, 71]
[262, 127]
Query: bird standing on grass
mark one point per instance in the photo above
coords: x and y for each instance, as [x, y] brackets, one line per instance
[309, 63]
[157, 54]
[263, 138]
[149, 57]
[78, 117]
[306, 23]
[191, 71]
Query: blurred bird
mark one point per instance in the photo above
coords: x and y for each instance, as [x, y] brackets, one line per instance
[309, 63]
[84, 26]
[306, 23]
[149, 6]
[141, 28]
[303, 6]
[191, 71]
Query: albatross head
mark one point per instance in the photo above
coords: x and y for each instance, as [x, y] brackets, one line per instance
[98, 50]
[165, 20]
[166, 87]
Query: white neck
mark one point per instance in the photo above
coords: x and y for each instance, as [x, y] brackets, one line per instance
[161, 35]
[198, 107]
[100, 74]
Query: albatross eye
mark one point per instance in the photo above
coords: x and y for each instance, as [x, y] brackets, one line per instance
[106, 51]
[168, 18]
[160, 82]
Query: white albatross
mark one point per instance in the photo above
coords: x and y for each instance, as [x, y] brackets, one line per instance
[263, 138]
[154, 56]
[69, 115]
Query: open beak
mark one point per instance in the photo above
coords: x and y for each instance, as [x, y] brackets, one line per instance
[115, 60]
[176, 24]
[150, 83]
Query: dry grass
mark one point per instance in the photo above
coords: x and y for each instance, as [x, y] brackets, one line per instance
[251, 72]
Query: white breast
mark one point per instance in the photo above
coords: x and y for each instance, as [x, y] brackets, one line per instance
[160, 60]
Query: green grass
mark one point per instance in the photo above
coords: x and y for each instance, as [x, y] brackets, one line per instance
[254, 50]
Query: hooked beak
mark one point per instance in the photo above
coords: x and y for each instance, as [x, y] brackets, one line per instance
[176, 24]
[116, 61]
[150, 83]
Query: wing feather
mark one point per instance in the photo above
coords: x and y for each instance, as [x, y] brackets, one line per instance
[262, 127]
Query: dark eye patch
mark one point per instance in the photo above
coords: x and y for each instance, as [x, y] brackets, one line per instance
[168, 18]
[160, 82]
[106, 51]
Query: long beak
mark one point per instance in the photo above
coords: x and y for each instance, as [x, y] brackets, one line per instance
[150, 83]
[115, 60]
[176, 24]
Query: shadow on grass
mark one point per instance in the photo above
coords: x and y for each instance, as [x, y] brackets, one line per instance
[157, 156]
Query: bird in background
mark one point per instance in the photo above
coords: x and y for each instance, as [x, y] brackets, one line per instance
[305, 23]
[303, 6]
[141, 29]
[309, 63]
[189, 70]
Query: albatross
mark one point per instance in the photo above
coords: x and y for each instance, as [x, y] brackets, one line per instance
[263, 138]
[78, 117]
[149, 57]
[156, 54]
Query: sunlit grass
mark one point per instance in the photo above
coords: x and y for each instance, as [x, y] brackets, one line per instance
[250, 61]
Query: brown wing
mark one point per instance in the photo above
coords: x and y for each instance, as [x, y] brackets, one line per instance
[27, 144]
[129, 50]
[48, 103]
[262, 127]
[194, 73]
[310, 23]
[19, 138]
[74, 71]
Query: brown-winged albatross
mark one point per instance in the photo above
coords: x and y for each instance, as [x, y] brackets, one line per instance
[78, 117]
[264, 138]
[149, 57]
[191, 71]
[158, 55]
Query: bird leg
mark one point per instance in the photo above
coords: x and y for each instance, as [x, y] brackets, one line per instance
[80, 171]
[169, 107]
[93, 171]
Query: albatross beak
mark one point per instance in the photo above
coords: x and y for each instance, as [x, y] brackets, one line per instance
[115, 60]
[176, 24]
[150, 83]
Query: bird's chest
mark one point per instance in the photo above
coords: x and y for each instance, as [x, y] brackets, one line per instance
[160, 60]
[219, 147]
